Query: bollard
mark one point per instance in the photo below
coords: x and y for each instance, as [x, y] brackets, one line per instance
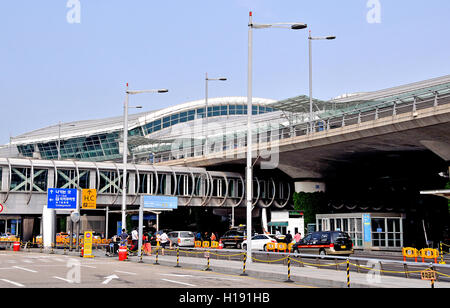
[51, 250]
[156, 256]
[207, 267]
[245, 261]
[289, 270]
[405, 266]
[140, 257]
[178, 257]
[442, 254]
[432, 280]
[348, 273]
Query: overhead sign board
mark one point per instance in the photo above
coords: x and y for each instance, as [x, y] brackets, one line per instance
[160, 203]
[89, 199]
[62, 199]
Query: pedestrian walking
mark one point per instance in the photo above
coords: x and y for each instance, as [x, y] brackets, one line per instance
[297, 237]
[134, 240]
[164, 241]
[288, 237]
[213, 237]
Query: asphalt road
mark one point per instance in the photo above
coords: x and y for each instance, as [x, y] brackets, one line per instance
[36, 270]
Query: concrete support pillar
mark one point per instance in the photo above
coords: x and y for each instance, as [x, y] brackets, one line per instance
[264, 219]
[5, 176]
[48, 226]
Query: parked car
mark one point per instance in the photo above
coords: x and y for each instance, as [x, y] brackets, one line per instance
[260, 241]
[182, 238]
[233, 238]
[325, 243]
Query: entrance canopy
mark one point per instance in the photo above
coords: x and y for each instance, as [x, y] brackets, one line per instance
[441, 193]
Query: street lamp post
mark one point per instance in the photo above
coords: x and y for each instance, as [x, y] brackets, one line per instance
[310, 39]
[249, 171]
[125, 146]
[206, 108]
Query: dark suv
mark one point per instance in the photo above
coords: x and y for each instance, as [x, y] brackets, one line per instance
[233, 238]
[325, 243]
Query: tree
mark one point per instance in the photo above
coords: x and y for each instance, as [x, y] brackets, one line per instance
[310, 204]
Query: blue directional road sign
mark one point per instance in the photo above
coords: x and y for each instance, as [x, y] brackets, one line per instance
[159, 202]
[62, 199]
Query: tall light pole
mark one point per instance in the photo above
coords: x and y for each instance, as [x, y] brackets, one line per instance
[125, 146]
[249, 171]
[310, 39]
[206, 107]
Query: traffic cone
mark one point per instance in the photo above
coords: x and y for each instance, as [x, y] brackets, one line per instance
[220, 244]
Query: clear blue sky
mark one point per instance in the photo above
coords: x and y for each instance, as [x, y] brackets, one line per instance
[53, 71]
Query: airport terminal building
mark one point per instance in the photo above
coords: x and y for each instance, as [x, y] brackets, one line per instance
[362, 150]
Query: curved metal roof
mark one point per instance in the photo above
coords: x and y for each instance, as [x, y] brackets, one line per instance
[107, 125]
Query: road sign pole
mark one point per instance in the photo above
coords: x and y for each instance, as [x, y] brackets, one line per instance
[77, 247]
[140, 230]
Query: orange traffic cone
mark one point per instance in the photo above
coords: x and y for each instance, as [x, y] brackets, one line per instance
[220, 244]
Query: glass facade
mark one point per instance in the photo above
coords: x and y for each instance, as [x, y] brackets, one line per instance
[106, 146]
[97, 147]
[68, 179]
[21, 179]
[386, 230]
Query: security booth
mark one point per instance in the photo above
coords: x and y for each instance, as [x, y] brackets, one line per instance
[284, 221]
[368, 231]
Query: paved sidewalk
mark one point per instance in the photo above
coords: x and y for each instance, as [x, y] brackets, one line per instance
[308, 275]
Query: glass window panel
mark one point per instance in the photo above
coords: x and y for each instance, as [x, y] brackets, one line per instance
[40, 180]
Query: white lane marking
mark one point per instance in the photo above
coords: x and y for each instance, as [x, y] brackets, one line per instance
[88, 266]
[202, 277]
[25, 269]
[176, 275]
[12, 282]
[125, 272]
[63, 279]
[109, 278]
[183, 283]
